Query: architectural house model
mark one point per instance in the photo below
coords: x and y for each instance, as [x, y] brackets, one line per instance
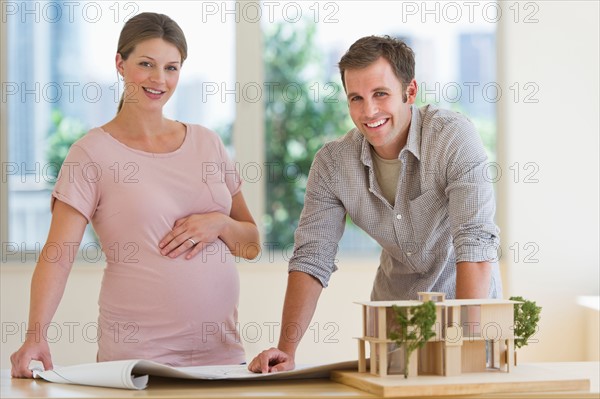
[471, 335]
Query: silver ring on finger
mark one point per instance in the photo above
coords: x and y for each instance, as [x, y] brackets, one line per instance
[192, 241]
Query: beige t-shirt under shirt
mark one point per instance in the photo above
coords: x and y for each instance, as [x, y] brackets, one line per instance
[387, 172]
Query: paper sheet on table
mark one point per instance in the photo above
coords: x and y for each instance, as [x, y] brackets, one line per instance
[134, 374]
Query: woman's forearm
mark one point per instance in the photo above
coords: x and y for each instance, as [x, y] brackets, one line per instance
[241, 238]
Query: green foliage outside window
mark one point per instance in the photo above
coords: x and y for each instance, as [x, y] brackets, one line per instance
[301, 114]
[303, 110]
[65, 131]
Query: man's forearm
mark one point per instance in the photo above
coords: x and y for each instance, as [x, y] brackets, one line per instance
[473, 279]
[301, 298]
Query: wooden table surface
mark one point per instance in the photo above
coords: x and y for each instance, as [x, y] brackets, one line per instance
[321, 388]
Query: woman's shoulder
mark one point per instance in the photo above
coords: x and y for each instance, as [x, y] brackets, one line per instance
[90, 140]
[204, 138]
[202, 131]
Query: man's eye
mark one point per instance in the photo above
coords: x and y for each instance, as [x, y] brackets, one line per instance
[380, 94]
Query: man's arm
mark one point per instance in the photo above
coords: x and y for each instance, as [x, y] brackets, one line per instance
[301, 298]
[473, 279]
[316, 240]
[471, 208]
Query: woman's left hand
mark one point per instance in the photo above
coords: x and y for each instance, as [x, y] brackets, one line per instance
[192, 234]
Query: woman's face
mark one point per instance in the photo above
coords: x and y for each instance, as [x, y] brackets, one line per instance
[150, 73]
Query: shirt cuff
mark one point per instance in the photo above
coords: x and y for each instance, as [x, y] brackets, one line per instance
[318, 272]
[482, 248]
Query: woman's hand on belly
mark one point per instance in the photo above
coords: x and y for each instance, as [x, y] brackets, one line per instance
[192, 234]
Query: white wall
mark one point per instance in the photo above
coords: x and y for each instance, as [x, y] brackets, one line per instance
[559, 214]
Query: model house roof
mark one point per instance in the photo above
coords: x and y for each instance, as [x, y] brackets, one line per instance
[447, 302]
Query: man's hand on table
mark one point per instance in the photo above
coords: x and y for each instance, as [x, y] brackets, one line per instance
[272, 360]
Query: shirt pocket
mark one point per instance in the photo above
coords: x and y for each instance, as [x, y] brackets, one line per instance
[426, 214]
[221, 197]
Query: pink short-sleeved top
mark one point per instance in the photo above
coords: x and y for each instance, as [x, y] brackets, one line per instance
[174, 311]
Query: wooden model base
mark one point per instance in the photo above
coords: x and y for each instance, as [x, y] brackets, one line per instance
[524, 378]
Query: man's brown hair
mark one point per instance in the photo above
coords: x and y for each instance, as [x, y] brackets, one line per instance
[369, 49]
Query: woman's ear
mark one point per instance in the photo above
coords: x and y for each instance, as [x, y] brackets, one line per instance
[119, 63]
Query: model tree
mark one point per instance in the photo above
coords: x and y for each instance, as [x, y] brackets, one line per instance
[414, 328]
[527, 316]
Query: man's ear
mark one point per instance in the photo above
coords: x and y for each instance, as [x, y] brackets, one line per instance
[411, 92]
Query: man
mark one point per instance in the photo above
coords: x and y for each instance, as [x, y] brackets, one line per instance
[412, 178]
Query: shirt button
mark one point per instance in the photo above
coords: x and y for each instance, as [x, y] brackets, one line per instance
[398, 216]
[408, 253]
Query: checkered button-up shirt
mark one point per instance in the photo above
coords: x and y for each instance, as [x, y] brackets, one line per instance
[443, 212]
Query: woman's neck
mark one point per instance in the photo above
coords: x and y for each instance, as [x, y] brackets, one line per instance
[141, 125]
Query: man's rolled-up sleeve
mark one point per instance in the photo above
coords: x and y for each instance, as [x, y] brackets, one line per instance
[471, 199]
[321, 223]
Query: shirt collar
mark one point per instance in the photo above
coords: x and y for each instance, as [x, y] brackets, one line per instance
[413, 142]
[365, 151]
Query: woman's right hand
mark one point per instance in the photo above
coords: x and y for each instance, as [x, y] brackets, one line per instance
[30, 350]
[48, 286]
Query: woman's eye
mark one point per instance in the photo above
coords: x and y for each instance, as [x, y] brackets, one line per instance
[172, 68]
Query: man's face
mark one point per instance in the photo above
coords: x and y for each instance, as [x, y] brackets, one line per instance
[375, 101]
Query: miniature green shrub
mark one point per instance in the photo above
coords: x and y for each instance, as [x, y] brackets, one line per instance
[527, 316]
[414, 328]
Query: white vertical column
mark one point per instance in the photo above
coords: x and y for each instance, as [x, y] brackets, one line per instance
[248, 128]
[3, 137]
[503, 144]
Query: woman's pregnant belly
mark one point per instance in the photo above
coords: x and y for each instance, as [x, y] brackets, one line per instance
[175, 311]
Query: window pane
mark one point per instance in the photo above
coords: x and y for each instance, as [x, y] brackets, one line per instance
[454, 43]
[62, 81]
